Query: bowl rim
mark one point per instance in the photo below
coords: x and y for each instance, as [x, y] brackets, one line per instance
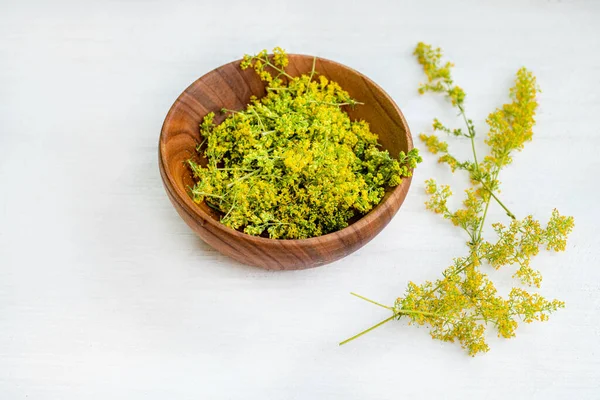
[194, 211]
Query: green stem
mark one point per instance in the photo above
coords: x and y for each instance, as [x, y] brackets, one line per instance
[475, 237]
[248, 175]
[471, 135]
[230, 208]
[312, 72]
[278, 88]
[371, 301]
[396, 314]
[469, 126]
[368, 330]
[234, 169]
[496, 173]
[207, 194]
[474, 153]
[458, 271]
[282, 72]
[336, 104]
[487, 205]
[510, 214]
[200, 145]
[471, 234]
[429, 314]
[259, 120]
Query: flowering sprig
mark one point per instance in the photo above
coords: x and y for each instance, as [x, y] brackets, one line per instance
[462, 304]
[262, 61]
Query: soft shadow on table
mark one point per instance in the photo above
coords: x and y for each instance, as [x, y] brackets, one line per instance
[226, 262]
[206, 252]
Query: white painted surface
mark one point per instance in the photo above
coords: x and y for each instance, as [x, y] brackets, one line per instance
[106, 294]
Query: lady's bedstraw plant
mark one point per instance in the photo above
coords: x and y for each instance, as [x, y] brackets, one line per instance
[293, 164]
[464, 302]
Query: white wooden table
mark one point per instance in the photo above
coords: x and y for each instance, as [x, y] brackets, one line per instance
[106, 294]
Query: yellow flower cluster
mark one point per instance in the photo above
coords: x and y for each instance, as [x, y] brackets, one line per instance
[293, 165]
[511, 126]
[461, 305]
[521, 241]
[438, 76]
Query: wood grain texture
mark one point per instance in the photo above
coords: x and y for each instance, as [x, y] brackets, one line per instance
[230, 87]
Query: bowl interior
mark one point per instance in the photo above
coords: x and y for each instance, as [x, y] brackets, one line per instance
[230, 87]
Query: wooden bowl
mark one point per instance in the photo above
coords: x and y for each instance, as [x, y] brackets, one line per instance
[230, 87]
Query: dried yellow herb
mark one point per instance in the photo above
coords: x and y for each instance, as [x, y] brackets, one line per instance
[293, 165]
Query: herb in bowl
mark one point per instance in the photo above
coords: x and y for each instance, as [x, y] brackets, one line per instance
[293, 164]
